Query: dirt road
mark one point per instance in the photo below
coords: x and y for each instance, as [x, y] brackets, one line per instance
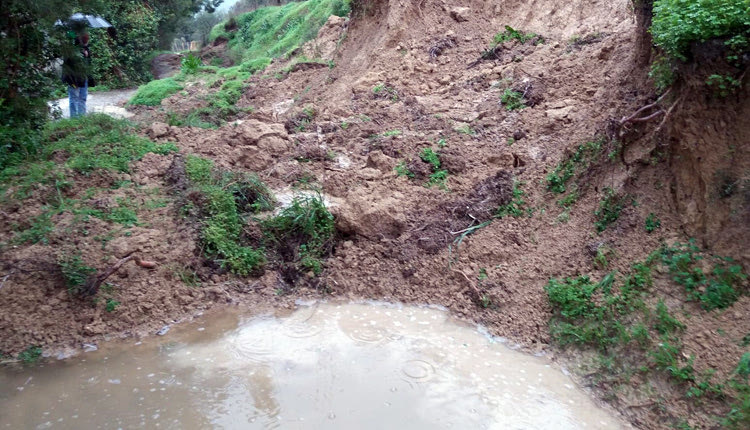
[109, 102]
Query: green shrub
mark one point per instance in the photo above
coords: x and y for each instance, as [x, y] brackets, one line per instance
[662, 73]
[154, 92]
[224, 197]
[678, 23]
[190, 64]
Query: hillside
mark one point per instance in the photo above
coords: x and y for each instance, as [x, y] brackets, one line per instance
[475, 155]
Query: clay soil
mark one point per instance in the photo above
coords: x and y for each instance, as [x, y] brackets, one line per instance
[399, 240]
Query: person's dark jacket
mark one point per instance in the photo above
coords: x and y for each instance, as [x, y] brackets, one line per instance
[77, 67]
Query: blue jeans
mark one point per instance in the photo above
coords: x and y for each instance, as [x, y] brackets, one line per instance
[77, 97]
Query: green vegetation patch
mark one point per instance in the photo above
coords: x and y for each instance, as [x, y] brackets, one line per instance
[634, 332]
[512, 34]
[579, 160]
[678, 23]
[515, 207]
[224, 199]
[89, 145]
[278, 30]
[154, 92]
[75, 273]
[512, 100]
[302, 235]
[717, 289]
[609, 209]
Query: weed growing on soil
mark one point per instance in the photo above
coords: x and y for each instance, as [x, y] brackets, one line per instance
[383, 91]
[583, 156]
[75, 273]
[30, 355]
[652, 223]
[224, 195]
[512, 34]
[715, 290]
[154, 92]
[515, 207]
[111, 304]
[302, 233]
[430, 157]
[467, 130]
[402, 170]
[512, 100]
[609, 209]
[190, 63]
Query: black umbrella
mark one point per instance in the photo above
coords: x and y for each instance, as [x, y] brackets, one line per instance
[92, 21]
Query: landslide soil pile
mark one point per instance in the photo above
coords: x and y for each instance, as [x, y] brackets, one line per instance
[477, 227]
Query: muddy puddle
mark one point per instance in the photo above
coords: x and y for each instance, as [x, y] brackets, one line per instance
[324, 366]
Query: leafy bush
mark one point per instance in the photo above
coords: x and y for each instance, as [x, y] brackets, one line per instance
[190, 64]
[678, 23]
[154, 92]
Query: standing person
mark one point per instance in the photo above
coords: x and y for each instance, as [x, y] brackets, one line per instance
[75, 73]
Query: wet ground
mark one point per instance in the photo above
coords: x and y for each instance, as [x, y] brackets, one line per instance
[108, 102]
[324, 366]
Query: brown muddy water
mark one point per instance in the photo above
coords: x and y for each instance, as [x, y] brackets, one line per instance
[325, 366]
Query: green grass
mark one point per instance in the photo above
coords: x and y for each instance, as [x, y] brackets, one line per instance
[277, 31]
[302, 233]
[90, 145]
[154, 92]
[225, 197]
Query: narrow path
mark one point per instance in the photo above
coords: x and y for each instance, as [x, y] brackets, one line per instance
[108, 102]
